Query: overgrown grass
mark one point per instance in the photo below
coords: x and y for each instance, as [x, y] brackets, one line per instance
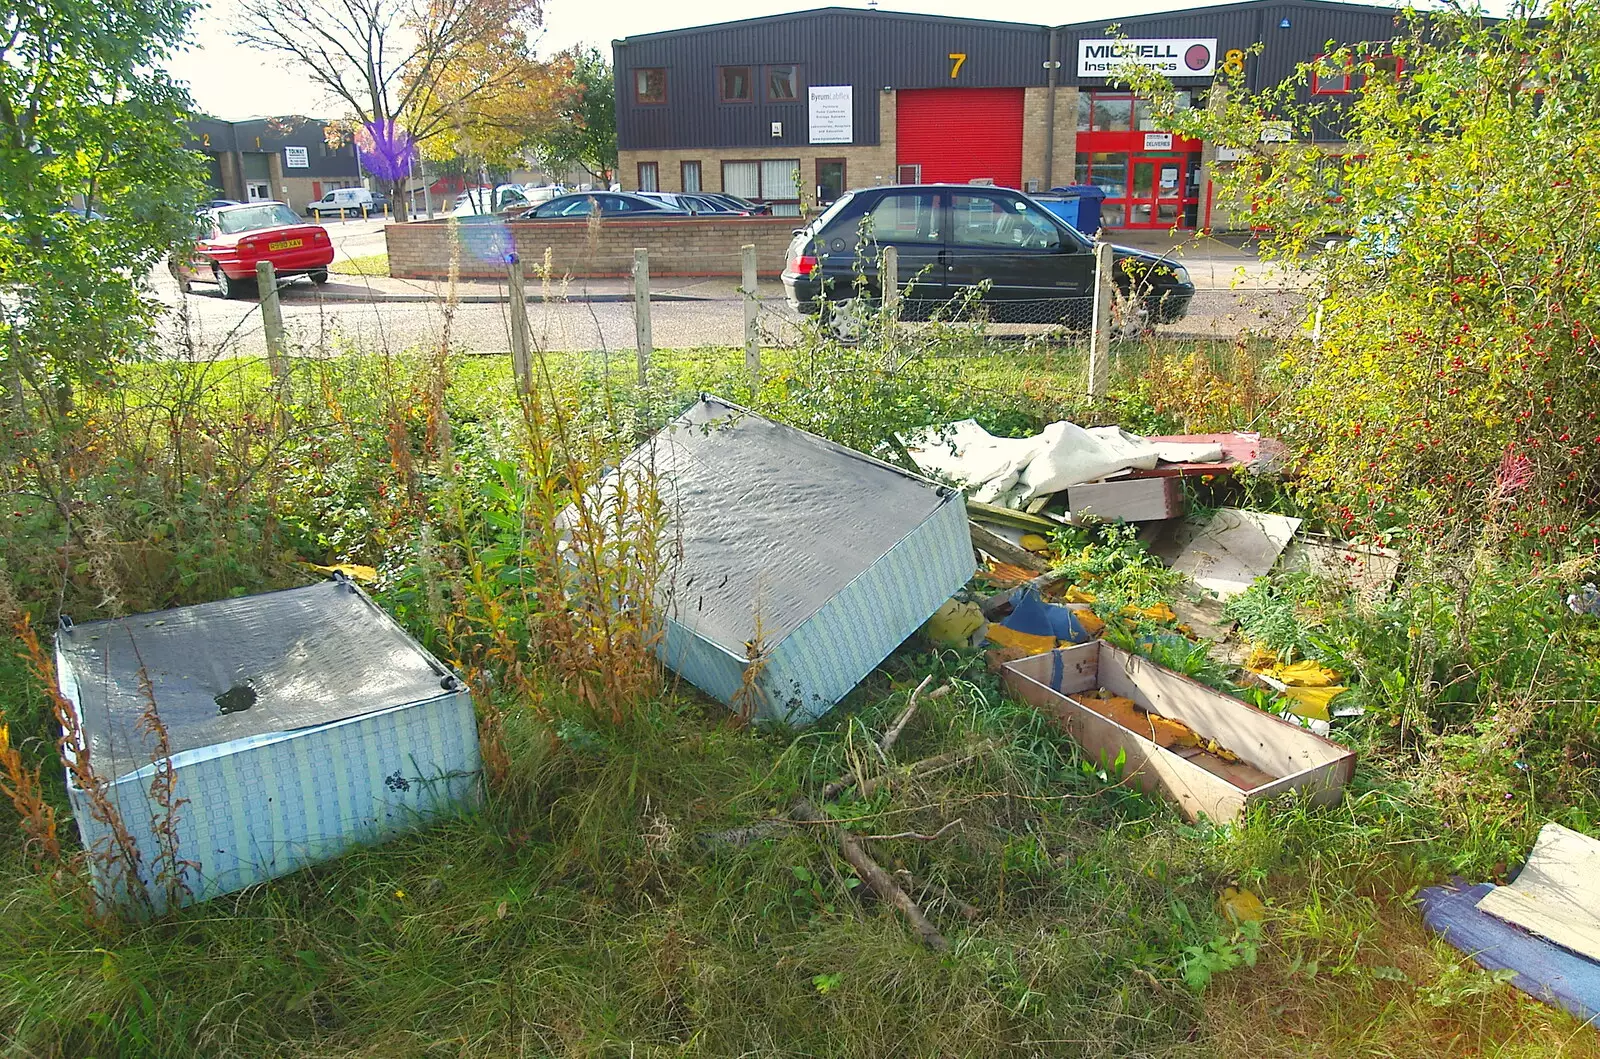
[580, 913]
[369, 265]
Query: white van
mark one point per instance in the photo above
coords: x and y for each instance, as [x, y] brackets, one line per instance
[349, 200]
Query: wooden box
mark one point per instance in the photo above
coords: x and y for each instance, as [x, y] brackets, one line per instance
[1274, 756]
[1128, 500]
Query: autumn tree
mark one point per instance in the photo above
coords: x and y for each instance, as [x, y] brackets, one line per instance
[408, 71]
[1448, 383]
[586, 132]
[499, 125]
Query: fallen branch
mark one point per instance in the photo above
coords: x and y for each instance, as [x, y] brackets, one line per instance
[916, 768]
[877, 880]
[740, 837]
[968, 911]
[926, 767]
[920, 837]
[893, 734]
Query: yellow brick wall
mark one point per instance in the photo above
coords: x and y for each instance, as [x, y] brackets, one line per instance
[1035, 118]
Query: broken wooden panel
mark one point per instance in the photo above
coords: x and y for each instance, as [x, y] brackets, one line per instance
[1127, 500]
[1275, 757]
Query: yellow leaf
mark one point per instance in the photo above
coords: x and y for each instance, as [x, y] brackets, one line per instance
[1241, 906]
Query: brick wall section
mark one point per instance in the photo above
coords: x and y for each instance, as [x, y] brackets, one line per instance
[1035, 115]
[865, 165]
[682, 247]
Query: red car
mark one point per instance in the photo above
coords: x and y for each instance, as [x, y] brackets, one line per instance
[234, 238]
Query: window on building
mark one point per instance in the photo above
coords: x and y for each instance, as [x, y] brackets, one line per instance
[735, 84]
[650, 85]
[1110, 113]
[1388, 65]
[775, 180]
[906, 217]
[1000, 223]
[1330, 77]
[649, 176]
[690, 173]
[783, 84]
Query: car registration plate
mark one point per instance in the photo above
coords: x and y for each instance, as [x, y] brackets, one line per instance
[286, 244]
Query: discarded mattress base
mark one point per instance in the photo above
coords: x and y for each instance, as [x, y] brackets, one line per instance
[801, 563]
[300, 724]
[1289, 757]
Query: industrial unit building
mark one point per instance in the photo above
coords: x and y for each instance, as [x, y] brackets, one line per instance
[286, 159]
[803, 106]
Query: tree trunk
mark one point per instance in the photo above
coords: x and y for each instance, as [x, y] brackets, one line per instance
[398, 199]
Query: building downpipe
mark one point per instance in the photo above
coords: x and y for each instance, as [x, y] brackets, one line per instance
[1051, 68]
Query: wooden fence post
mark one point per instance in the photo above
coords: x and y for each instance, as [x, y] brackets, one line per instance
[889, 281]
[641, 311]
[752, 338]
[521, 362]
[1100, 332]
[271, 318]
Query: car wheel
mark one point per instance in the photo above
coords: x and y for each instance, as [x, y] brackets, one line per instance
[318, 276]
[226, 286]
[845, 320]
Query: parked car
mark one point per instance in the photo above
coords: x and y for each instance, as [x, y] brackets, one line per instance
[233, 239]
[346, 201]
[694, 202]
[737, 203]
[217, 204]
[1021, 262]
[610, 204]
[484, 201]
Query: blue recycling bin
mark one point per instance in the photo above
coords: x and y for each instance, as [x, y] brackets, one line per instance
[1086, 198]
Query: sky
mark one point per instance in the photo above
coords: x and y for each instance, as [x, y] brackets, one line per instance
[231, 81]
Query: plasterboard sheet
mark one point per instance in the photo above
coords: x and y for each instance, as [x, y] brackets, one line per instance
[1557, 893]
[242, 667]
[1228, 551]
[1365, 570]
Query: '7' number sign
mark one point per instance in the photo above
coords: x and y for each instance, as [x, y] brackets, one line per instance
[956, 59]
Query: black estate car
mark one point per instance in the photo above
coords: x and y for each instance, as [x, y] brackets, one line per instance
[952, 237]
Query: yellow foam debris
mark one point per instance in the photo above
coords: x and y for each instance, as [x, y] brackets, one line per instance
[1159, 612]
[953, 623]
[1163, 731]
[1033, 542]
[1312, 703]
[1033, 645]
[1078, 595]
[353, 571]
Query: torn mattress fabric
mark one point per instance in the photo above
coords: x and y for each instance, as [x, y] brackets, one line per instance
[1013, 471]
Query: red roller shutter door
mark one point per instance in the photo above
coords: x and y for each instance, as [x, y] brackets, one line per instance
[961, 134]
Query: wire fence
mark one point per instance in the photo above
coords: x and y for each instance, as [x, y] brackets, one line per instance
[595, 316]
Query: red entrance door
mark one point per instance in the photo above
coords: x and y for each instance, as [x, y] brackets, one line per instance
[1155, 194]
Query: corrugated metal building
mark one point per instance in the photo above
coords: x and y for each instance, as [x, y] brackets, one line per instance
[800, 107]
[287, 159]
